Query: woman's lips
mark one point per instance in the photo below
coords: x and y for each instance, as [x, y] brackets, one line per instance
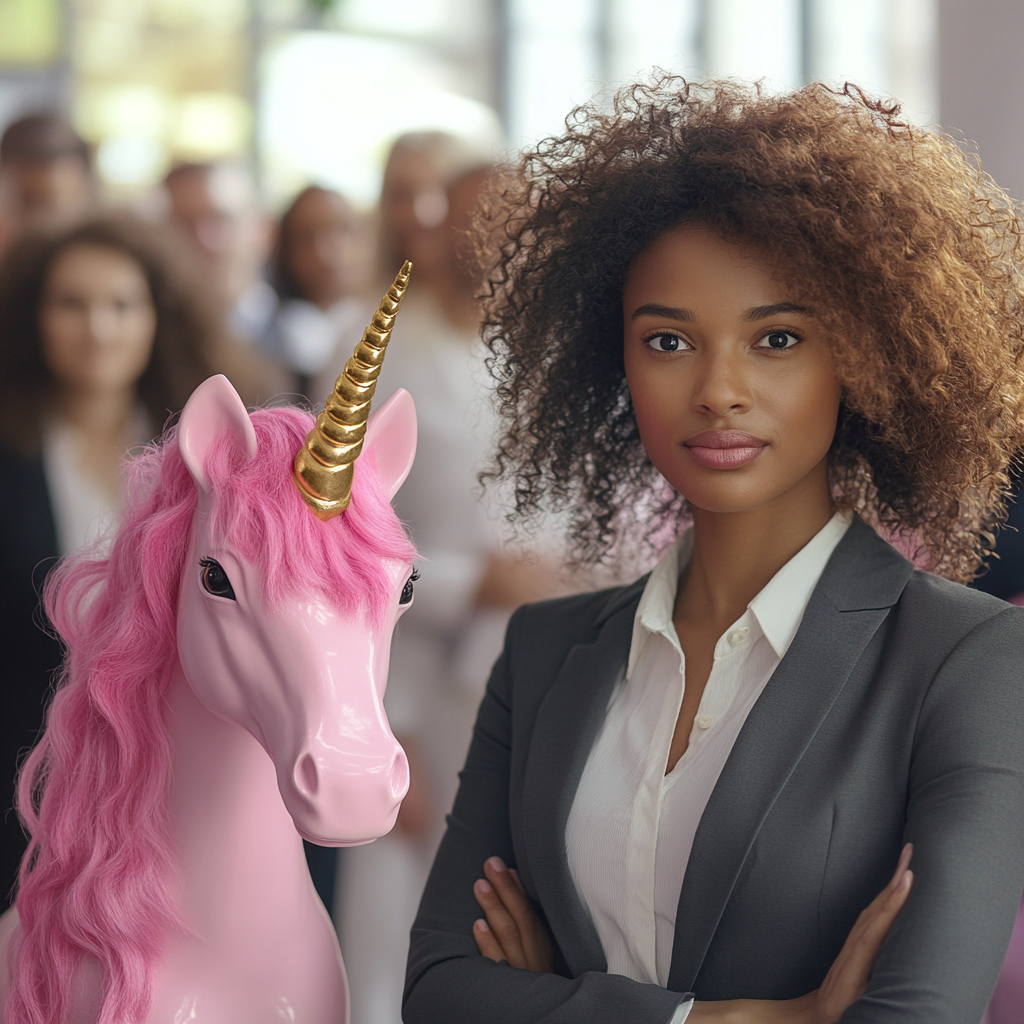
[724, 449]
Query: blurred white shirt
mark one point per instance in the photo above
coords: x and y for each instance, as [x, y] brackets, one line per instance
[305, 338]
[82, 510]
[443, 646]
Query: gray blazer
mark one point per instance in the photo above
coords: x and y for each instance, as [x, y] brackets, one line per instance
[896, 715]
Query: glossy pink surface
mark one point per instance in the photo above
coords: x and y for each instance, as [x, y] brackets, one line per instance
[1007, 1006]
[298, 682]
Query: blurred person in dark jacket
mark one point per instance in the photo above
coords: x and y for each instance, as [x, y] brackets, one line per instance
[103, 334]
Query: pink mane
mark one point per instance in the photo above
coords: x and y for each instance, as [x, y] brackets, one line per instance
[96, 880]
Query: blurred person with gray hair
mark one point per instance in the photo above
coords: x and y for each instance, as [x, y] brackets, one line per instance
[215, 205]
[469, 585]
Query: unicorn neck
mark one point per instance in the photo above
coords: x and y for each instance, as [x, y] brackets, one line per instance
[237, 846]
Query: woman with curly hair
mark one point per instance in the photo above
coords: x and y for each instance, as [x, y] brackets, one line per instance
[103, 333]
[763, 335]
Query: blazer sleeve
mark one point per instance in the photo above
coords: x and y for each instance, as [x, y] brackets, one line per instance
[966, 820]
[447, 980]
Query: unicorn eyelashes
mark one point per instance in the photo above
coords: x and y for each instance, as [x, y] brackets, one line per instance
[215, 579]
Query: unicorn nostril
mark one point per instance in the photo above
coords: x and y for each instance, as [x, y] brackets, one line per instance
[399, 774]
[307, 778]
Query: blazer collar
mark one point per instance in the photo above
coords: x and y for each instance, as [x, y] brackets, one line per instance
[861, 581]
[564, 730]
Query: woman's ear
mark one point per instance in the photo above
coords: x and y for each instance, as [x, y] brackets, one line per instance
[213, 410]
[391, 435]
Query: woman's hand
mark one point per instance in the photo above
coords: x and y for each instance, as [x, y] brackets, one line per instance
[512, 930]
[847, 978]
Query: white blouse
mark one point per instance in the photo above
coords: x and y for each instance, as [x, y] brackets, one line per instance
[631, 826]
[82, 509]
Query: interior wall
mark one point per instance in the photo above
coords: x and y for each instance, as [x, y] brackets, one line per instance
[981, 82]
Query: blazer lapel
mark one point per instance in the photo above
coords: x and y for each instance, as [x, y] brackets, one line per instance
[863, 579]
[566, 724]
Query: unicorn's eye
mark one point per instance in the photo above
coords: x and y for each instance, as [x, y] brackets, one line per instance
[214, 579]
[407, 589]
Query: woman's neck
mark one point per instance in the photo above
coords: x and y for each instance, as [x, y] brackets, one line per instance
[103, 420]
[457, 299]
[735, 554]
[102, 416]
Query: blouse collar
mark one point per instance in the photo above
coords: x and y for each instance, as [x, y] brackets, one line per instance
[778, 608]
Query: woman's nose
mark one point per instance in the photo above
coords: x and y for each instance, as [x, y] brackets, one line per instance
[722, 388]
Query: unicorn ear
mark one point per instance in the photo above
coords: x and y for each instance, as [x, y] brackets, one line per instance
[391, 434]
[213, 410]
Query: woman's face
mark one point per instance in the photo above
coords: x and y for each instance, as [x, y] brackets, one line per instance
[412, 197]
[327, 248]
[731, 378]
[97, 321]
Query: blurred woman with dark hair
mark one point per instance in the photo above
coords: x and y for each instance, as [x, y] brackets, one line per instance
[322, 267]
[102, 336]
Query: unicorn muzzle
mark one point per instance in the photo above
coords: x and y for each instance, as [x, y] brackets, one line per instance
[345, 801]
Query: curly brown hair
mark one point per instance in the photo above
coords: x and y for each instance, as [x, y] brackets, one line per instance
[190, 342]
[909, 255]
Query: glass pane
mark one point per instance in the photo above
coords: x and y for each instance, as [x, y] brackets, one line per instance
[643, 34]
[332, 104]
[755, 39]
[554, 63]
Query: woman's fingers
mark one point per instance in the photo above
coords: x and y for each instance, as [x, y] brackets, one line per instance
[876, 919]
[848, 976]
[510, 929]
[533, 933]
[502, 924]
[877, 927]
[486, 942]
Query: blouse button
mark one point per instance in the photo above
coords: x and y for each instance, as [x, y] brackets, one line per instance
[706, 721]
[737, 636]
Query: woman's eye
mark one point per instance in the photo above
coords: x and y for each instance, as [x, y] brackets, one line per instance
[666, 342]
[214, 579]
[778, 341]
[407, 589]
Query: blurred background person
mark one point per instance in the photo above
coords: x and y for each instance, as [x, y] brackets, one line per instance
[1004, 576]
[444, 648]
[103, 333]
[215, 205]
[46, 176]
[322, 267]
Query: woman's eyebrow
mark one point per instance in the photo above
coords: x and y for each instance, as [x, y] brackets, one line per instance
[766, 312]
[666, 312]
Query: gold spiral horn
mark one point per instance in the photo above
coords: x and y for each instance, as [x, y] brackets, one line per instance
[323, 467]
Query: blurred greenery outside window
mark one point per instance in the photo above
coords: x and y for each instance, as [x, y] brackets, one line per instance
[305, 90]
[30, 32]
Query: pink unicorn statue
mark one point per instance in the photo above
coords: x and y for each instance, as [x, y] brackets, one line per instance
[236, 614]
